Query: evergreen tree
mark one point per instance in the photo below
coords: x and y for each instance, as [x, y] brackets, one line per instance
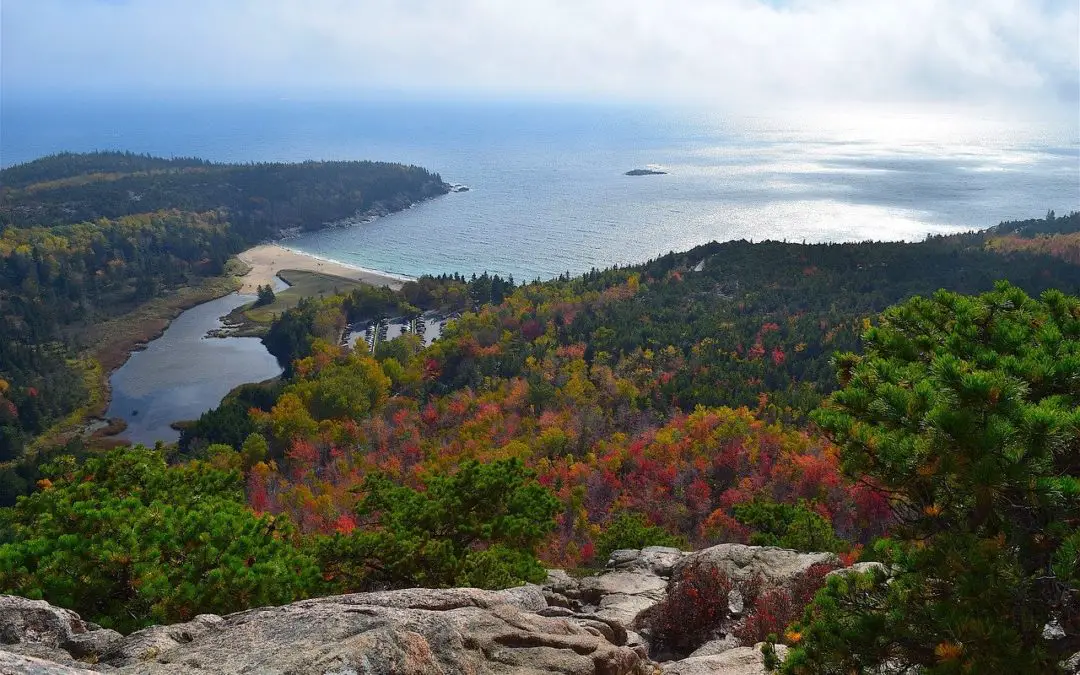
[128, 542]
[966, 410]
[479, 526]
[632, 530]
[265, 295]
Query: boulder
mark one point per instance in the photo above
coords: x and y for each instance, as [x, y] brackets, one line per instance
[1053, 631]
[561, 590]
[715, 647]
[558, 581]
[622, 595]
[622, 583]
[618, 594]
[148, 643]
[35, 628]
[738, 661]
[625, 609]
[638, 643]
[859, 568]
[658, 560]
[776, 565]
[613, 631]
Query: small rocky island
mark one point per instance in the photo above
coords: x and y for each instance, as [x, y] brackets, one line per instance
[645, 172]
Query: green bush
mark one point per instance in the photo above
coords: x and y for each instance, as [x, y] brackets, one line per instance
[632, 530]
[479, 526]
[127, 542]
[796, 527]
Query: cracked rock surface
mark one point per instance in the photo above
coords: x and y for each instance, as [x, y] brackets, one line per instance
[572, 626]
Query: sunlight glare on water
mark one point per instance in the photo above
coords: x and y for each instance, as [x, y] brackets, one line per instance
[547, 190]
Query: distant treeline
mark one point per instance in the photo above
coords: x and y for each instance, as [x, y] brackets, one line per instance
[291, 335]
[261, 199]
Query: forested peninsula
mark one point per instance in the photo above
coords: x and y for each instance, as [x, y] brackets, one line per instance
[904, 414]
[92, 245]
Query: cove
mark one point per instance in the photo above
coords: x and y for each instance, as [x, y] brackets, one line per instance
[183, 373]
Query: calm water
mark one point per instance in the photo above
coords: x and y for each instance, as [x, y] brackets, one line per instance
[183, 374]
[548, 194]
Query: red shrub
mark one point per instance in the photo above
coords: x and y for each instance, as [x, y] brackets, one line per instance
[806, 585]
[773, 611]
[694, 610]
[777, 608]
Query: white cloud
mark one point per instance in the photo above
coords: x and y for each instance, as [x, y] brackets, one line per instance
[728, 51]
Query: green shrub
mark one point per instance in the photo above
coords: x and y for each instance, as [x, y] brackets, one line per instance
[632, 530]
[478, 526]
[127, 542]
[796, 527]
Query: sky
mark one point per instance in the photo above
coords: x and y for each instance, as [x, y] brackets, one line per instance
[748, 53]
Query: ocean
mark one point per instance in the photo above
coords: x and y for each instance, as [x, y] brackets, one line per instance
[547, 191]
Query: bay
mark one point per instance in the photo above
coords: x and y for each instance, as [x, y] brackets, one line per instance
[548, 192]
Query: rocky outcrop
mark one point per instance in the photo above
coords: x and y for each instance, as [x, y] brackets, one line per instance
[860, 568]
[409, 631]
[622, 595]
[590, 625]
[17, 664]
[715, 647]
[633, 581]
[34, 628]
[658, 560]
[777, 566]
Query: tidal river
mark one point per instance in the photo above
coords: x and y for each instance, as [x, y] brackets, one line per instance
[183, 373]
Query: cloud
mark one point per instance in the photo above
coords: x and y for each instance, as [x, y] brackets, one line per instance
[751, 52]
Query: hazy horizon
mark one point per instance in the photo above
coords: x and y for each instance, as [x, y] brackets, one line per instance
[730, 56]
[826, 120]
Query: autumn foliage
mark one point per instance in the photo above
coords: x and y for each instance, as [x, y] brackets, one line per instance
[694, 609]
[698, 607]
[600, 432]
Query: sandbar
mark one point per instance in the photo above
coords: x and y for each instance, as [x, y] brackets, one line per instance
[266, 260]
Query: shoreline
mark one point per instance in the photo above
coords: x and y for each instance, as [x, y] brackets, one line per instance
[109, 354]
[267, 260]
[263, 263]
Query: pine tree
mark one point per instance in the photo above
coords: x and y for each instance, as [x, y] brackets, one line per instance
[265, 295]
[479, 526]
[966, 410]
[127, 542]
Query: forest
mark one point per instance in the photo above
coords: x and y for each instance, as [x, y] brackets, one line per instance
[618, 386]
[262, 199]
[910, 403]
[89, 237]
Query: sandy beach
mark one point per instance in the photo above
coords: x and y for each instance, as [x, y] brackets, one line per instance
[266, 260]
